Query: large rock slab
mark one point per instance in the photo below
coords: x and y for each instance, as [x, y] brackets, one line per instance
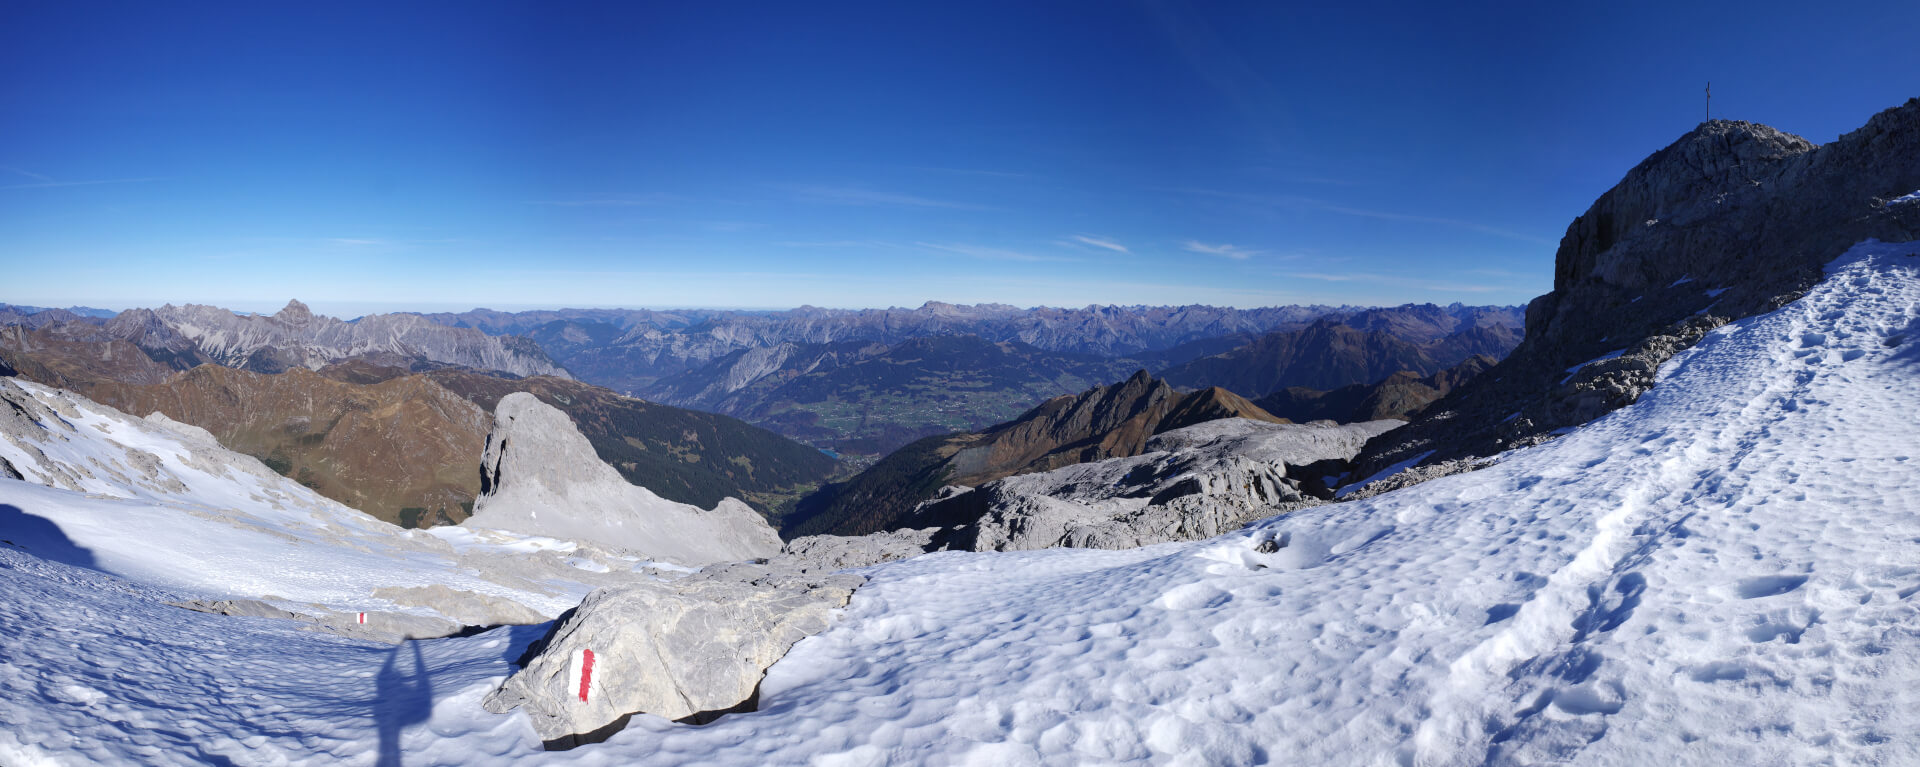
[686, 650]
[540, 476]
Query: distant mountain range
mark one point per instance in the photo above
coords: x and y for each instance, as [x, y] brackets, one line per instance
[1362, 348]
[869, 381]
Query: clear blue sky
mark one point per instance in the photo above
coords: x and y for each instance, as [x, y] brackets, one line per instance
[428, 156]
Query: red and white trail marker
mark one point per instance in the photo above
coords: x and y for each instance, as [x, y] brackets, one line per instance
[363, 619]
[580, 668]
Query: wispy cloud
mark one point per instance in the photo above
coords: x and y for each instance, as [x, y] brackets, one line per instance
[1101, 242]
[968, 171]
[27, 173]
[1324, 276]
[1234, 252]
[604, 202]
[47, 184]
[847, 195]
[1385, 279]
[1309, 203]
[991, 254]
[836, 244]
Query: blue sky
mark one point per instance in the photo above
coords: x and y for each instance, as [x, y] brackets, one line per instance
[513, 155]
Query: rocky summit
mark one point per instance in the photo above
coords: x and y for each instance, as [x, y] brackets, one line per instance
[1731, 220]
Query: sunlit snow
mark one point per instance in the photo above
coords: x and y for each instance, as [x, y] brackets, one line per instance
[1722, 573]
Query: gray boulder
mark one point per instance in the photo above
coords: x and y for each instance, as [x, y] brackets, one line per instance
[540, 476]
[687, 650]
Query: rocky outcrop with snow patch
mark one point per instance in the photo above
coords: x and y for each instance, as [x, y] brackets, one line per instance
[1732, 220]
[1192, 483]
[686, 650]
[540, 476]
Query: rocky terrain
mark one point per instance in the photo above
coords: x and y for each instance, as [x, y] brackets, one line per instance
[1731, 220]
[540, 476]
[1190, 483]
[1100, 423]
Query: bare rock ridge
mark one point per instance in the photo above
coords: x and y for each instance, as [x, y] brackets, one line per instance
[1733, 219]
[1100, 423]
[1190, 483]
[540, 476]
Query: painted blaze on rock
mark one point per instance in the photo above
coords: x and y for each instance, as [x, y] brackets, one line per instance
[687, 650]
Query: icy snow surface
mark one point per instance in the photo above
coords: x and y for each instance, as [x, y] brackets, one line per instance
[1723, 573]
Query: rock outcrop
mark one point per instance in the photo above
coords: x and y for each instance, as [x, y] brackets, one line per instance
[1192, 483]
[687, 650]
[1100, 423]
[540, 476]
[1733, 219]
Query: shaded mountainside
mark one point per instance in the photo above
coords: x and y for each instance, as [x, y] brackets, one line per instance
[871, 399]
[1105, 422]
[683, 455]
[1732, 220]
[1400, 396]
[1360, 349]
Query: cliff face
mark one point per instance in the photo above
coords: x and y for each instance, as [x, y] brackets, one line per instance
[1732, 220]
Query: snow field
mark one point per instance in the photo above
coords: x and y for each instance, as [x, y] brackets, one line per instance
[1724, 573]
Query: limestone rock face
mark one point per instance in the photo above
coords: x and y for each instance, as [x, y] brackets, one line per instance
[540, 476]
[1192, 483]
[1732, 220]
[686, 650]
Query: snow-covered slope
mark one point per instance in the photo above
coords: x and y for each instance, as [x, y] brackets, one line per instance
[1727, 572]
[161, 503]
